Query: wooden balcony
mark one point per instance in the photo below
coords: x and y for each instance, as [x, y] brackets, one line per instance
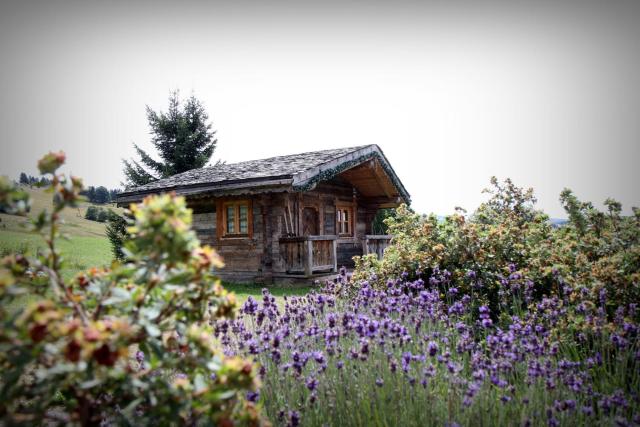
[309, 255]
[376, 244]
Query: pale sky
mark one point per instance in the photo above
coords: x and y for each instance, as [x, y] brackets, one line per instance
[544, 92]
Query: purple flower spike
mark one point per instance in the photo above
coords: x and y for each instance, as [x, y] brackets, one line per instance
[432, 348]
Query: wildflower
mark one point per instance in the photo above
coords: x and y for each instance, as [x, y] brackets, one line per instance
[294, 419]
[311, 383]
[250, 306]
[432, 348]
[318, 357]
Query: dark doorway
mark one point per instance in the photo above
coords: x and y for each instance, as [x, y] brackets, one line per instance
[310, 222]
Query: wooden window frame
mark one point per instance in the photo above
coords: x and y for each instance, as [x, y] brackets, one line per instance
[350, 221]
[221, 217]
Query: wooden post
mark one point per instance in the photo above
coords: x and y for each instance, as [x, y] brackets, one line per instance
[335, 255]
[308, 259]
[300, 207]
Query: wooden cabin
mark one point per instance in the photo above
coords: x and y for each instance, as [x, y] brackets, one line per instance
[287, 218]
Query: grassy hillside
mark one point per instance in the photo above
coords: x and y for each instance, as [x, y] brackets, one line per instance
[88, 245]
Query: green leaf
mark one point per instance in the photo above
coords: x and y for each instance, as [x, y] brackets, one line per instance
[127, 412]
[90, 384]
[150, 313]
[118, 295]
[152, 329]
[200, 383]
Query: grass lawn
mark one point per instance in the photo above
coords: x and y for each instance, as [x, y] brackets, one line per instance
[79, 253]
[244, 290]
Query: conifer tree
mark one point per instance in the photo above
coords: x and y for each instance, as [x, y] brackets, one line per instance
[182, 137]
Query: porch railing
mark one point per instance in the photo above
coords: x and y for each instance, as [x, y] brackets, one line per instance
[376, 244]
[309, 254]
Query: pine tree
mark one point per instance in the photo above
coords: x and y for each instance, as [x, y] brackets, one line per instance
[114, 193]
[182, 137]
[90, 193]
[24, 179]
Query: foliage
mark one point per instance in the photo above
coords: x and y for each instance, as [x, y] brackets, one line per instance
[98, 214]
[103, 215]
[24, 179]
[507, 237]
[600, 250]
[92, 213]
[116, 232]
[183, 138]
[127, 344]
[379, 226]
[12, 200]
[100, 195]
[33, 181]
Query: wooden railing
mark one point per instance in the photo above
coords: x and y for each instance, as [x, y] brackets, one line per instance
[376, 244]
[309, 254]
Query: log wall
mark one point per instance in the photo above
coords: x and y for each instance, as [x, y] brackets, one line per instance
[258, 258]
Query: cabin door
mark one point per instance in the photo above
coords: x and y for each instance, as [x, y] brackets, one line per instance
[310, 222]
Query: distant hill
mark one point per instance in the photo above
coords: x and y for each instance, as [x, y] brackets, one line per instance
[73, 220]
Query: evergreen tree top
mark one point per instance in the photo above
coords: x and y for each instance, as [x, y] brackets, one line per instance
[182, 137]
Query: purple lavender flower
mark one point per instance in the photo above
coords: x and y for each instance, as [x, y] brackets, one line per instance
[311, 383]
[250, 306]
[294, 419]
[432, 348]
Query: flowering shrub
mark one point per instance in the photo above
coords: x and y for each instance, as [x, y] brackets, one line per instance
[600, 251]
[408, 355]
[130, 344]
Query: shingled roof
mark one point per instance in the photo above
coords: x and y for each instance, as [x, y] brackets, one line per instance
[297, 172]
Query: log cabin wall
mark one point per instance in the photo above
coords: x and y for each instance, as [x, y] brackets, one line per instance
[257, 258]
[244, 257]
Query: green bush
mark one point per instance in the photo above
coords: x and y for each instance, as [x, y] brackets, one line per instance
[92, 213]
[506, 238]
[103, 215]
[131, 344]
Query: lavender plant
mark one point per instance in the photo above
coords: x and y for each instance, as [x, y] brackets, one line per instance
[409, 354]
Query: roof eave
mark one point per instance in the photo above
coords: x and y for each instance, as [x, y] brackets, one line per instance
[307, 180]
[226, 187]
